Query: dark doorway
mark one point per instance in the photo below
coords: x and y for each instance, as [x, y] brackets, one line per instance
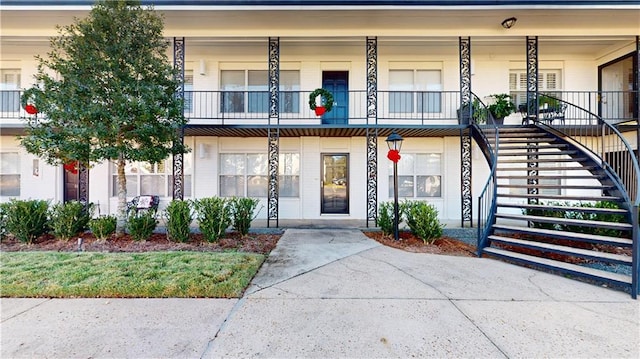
[335, 183]
[337, 82]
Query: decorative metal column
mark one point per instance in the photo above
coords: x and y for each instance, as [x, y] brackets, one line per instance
[83, 183]
[273, 133]
[178, 159]
[532, 108]
[372, 133]
[465, 139]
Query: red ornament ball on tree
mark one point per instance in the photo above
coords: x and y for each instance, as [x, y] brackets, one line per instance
[31, 109]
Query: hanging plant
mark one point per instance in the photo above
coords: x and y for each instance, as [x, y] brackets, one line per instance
[326, 101]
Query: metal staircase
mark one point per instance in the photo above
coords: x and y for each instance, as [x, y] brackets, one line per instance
[551, 202]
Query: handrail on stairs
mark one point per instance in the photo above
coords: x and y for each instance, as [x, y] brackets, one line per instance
[483, 127]
[608, 146]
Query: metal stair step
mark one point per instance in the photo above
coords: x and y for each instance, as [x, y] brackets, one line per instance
[561, 266]
[561, 197]
[538, 153]
[554, 186]
[546, 146]
[550, 207]
[542, 160]
[576, 252]
[583, 237]
[567, 221]
[568, 168]
[566, 177]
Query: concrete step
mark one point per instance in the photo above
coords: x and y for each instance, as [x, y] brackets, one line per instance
[580, 237]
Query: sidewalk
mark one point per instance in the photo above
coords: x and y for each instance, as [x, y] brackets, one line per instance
[328, 293]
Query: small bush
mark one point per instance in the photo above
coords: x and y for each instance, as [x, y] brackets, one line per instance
[70, 218]
[178, 217]
[4, 209]
[103, 227]
[214, 217]
[27, 220]
[385, 218]
[141, 225]
[242, 209]
[617, 218]
[422, 219]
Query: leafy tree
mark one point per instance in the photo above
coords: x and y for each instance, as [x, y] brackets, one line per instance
[107, 91]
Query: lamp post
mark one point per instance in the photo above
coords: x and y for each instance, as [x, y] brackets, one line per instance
[394, 141]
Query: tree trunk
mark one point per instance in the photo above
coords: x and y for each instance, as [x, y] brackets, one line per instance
[122, 197]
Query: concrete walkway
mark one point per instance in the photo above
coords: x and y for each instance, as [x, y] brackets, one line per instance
[328, 293]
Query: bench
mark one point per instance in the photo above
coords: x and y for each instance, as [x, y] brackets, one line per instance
[545, 113]
[143, 203]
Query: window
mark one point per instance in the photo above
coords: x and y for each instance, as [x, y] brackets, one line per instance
[549, 82]
[415, 91]
[9, 90]
[9, 174]
[246, 174]
[248, 91]
[145, 178]
[188, 91]
[419, 175]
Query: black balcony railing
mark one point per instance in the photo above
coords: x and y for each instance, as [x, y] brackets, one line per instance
[394, 107]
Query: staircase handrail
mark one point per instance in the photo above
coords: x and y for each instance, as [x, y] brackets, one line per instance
[597, 136]
[488, 195]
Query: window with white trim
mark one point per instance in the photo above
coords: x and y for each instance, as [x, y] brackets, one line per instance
[188, 91]
[9, 90]
[549, 82]
[145, 178]
[247, 91]
[415, 91]
[246, 175]
[419, 175]
[9, 174]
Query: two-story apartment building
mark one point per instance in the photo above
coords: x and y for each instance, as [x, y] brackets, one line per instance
[403, 66]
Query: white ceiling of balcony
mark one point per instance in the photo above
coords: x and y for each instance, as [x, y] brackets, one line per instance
[561, 31]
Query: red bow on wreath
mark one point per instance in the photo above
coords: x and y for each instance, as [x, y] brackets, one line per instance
[30, 109]
[394, 155]
[72, 167]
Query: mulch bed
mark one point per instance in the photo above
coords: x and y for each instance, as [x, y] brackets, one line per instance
[254, 243]
[410, 243]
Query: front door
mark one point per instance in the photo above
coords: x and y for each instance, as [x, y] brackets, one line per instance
[71, 185]
[335, 184]
[337, 82]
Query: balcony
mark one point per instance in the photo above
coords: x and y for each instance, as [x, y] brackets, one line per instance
[395, 108]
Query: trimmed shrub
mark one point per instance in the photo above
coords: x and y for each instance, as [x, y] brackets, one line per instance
[27, 220]
[103, 227]
[141, 225]
[422, 219]
[4, 209]
[70, 218]
[385, 218]
[242, 209]
[213, 216]
[178, 217]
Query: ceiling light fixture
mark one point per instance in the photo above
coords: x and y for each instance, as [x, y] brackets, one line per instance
[508, 23]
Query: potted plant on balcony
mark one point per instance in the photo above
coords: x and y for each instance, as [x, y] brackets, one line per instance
[501, 106]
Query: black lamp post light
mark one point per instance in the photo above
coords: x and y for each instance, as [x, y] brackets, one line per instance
[394, 141]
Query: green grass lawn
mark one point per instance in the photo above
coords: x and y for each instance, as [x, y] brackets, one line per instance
[127, 275]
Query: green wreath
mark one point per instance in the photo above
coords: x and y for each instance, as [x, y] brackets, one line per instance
[327, 99]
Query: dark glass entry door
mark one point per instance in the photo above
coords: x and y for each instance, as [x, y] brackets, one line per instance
[337, 82]
[71, 186]
[335, 183]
